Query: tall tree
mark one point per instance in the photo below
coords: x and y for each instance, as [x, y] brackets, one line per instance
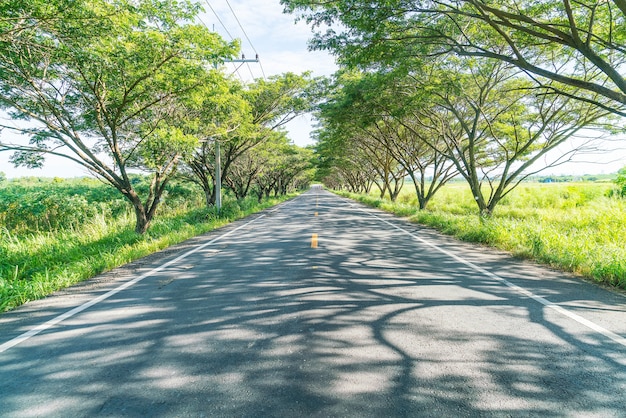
[375, 104]
[245, 170]
[107, 94]
[339, 163]
[217, 112]
[282, 166]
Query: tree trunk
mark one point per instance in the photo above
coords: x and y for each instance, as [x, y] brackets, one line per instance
[142, 221]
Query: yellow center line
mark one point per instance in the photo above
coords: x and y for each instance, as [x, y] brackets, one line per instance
[314, 241]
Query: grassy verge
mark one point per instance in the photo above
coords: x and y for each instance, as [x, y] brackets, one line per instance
[574, 227]
[37, 264]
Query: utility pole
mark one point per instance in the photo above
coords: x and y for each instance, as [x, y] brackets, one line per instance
[218, 155]
[218, 176]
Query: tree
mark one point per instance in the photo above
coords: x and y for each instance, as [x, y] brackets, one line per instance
[21, 19]
[275, 165]
[494, 126]
[578, 45]
[282, 166]
[339, 165]
[245, 170]
[428, 168]
[107, 94]
[217, 112]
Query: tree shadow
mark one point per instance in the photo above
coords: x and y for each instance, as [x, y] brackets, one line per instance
[261, 324]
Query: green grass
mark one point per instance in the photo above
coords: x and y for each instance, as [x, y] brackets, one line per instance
[35, 263]
[575, 226]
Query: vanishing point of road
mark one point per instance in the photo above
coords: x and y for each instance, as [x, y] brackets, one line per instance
[319, 307]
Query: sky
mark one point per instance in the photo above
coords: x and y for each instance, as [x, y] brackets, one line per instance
[282, 46]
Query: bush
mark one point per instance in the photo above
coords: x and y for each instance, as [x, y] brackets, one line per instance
[621, 182]
[56, 205]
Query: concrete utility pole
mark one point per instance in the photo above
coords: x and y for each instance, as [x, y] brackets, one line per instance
[218, 176]
[218, 157]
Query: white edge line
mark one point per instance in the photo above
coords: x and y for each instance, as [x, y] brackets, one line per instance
[595, 327]
[42, 327]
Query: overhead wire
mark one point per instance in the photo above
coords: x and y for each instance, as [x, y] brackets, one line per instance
[236, 69]
[234, 66]
[242, 29]
[250, 69]
[247, 38]
[219, 20]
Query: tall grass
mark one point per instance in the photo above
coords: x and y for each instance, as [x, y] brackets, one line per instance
[575, 226]
[35, 261]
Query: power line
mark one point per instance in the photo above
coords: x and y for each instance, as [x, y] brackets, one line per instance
[218, 19]
[237, 67]
[247, 37]
[227, 32]
[232, 38]
[242, 29]
[262, 70]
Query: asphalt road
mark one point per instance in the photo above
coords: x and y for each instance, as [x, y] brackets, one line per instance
[319, 307]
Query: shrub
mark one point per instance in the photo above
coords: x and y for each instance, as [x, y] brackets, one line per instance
[56, 205]
[621, 182]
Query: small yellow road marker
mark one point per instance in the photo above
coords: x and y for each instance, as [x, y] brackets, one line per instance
[314, 241]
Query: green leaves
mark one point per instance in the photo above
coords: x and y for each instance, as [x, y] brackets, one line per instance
[621, 181]
[573, 44]
[162, 147]
[496, 84]
[281, 98]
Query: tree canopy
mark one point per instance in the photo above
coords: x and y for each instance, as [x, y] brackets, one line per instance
[579, 46]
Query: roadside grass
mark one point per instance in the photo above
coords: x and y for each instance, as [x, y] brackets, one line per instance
[575, 227]
[36, 264]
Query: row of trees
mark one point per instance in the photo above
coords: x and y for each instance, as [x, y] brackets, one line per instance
[135, 86]
[476, 88]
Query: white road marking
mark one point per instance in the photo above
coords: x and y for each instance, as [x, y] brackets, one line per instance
[595, 327]
[36, 330]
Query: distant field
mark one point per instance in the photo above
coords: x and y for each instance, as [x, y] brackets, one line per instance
[572, 226]
[54, 233]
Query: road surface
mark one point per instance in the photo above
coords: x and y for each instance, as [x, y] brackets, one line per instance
[319, 307]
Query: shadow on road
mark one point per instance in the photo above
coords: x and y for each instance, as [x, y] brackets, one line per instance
[364, 325]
